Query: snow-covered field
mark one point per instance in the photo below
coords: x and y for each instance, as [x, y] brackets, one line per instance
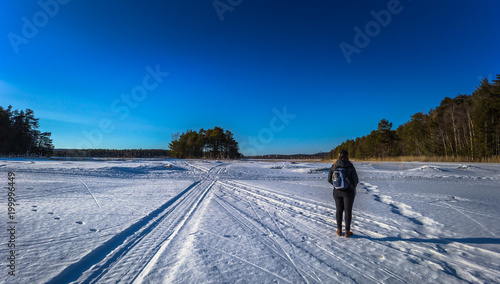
[176, 221]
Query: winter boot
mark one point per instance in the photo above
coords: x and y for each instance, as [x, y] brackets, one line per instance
[348, 234]
[339, 232]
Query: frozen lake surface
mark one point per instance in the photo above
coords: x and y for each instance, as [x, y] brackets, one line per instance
[191, 221]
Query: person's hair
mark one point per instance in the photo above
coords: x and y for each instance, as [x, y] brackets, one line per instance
[343, 155]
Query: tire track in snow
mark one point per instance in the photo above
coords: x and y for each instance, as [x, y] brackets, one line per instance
[340, 250]
[470, 218]
[248, 262]
[128, 252]
[295, 199]
[421, 250]
[196, 168]
[258, 231]
[359, 260]
[302, 217]
[281, 247]
[165, 244]
[279, 198]
[88, 189]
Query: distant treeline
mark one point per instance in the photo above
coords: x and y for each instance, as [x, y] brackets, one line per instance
[317, 156]
[107, 153]
[19, 134]
[467, 126]
[212, 143]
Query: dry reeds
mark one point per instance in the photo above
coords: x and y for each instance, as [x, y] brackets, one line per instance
[436, 159]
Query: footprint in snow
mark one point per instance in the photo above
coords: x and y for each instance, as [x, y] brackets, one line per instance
[57, 218]
[79, 222]
[51, 213]
[93, 230]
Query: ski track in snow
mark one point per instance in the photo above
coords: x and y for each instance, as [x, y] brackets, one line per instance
[231, 227]
[127, 252]
[88, 189]
[427, 253]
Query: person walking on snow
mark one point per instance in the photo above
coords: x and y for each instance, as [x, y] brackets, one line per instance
[344, 199]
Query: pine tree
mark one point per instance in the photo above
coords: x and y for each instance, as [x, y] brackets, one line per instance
[212, 143]
[19, 133]
[464, 126]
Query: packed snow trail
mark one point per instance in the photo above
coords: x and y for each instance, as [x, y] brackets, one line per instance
[126, 254]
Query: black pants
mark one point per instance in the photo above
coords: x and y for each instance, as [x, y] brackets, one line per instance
[344, 202]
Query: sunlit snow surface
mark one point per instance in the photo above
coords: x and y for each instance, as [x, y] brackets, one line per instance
[175, 221]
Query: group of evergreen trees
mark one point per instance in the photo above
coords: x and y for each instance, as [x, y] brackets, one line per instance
[19, 134]
[212, 143]
[467, 126]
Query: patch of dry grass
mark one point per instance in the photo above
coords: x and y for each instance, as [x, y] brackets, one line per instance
[436, 159]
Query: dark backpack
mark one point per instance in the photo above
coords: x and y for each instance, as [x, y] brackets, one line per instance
[340, 180]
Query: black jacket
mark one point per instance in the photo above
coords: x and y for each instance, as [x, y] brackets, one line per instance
[351, 174]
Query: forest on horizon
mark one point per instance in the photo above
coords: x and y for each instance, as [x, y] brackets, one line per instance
[466, 127]
[19, 134]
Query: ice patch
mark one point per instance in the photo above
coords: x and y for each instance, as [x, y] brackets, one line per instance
[427, 221]
[299, 168]
[310, 170]
[167, 166]
[466, 167]
[428, 168]
[143, 169]
[302, 170]
[456, 198]
[319, 170]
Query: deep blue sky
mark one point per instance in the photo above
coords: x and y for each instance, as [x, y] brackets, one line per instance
[232, 72]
